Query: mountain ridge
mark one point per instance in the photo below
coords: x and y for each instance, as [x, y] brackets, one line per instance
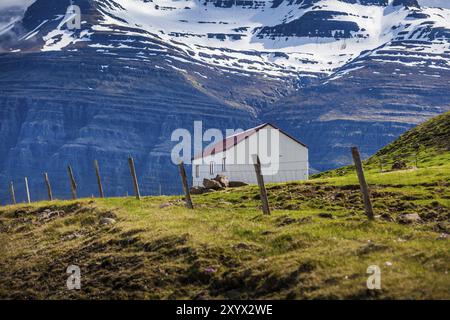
[286, 53]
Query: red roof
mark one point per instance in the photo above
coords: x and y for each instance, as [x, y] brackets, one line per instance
[233, 140]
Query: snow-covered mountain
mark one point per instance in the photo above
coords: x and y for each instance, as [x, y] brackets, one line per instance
[332, 72]
[276, 37]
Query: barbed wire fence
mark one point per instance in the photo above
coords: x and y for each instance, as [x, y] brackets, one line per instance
[87, 180]
[71, 184]
[26, 190]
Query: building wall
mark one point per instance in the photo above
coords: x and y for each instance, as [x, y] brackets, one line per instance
[292, 164]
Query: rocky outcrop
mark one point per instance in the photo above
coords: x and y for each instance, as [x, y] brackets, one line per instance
[212, 184]
[79, 112]
[220, 182]
[406, 3]
[409, 218]
[200, 190]
[223, 180]
[399, 165]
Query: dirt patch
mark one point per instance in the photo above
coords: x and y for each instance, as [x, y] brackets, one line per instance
[23, 219]
[370, 248]
[252, 283]
[286, 220]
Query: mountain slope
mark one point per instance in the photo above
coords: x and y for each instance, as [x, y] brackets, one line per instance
[426, 146]
[106, 110]
[368, 107]
[426, 140]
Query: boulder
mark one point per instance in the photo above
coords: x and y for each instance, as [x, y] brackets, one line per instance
[72, 236]
[443, 236]
[409, 218]
[48, 214]
[284, 221]
[198, 190]
[243, 246]
[20, 213]
[223, 180]
[107, 221]
[387, 217]
[443, 226]
[236, 184]
[211, 184]
[399, 165]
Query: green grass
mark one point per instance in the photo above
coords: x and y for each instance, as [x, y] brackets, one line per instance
[428, 142]
[226, 248]
[425, 146]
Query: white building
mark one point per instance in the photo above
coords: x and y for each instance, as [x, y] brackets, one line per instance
[283, 157]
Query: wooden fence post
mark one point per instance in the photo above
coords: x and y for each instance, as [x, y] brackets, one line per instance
[134, 176]
[49, 187]
[363, 184]
[27, 190]
[99, 179]
[12, 193]
[262, 187]
[73, 184]
[187, 192]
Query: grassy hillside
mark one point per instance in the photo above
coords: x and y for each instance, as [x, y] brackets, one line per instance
[317, 244]
[425, 146]
[428, 142]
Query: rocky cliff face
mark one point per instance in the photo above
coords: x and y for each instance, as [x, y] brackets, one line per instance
[84, 108]
[333, 73]
[368, 107]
